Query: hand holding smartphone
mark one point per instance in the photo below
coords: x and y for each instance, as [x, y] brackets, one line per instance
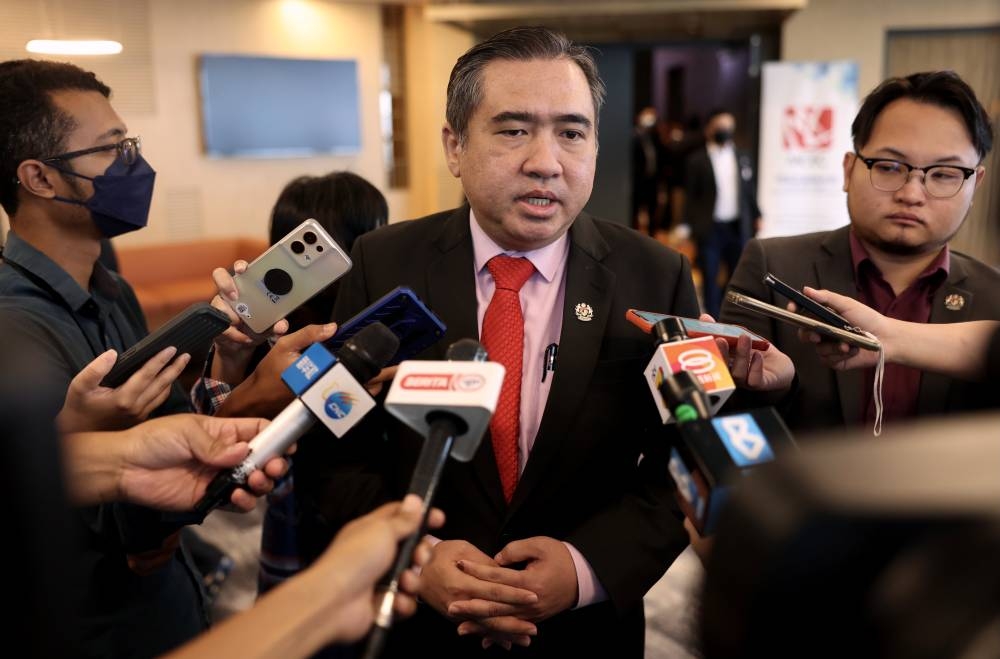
[291, 271]
[190, 331]
[851, 337]
[698, 328]
[826, 314]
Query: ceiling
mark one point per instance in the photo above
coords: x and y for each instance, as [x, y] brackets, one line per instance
[622, 20]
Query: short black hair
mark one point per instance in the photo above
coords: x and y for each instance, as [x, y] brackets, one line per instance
[345, 204]
[715, 112]
[526, 43]
[31, 126]
[942, 88]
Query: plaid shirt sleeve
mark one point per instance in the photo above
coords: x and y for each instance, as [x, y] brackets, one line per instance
[208, 394]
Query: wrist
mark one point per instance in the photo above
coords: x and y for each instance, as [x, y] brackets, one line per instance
[893, 340]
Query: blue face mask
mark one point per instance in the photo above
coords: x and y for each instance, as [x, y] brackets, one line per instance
[121, 198]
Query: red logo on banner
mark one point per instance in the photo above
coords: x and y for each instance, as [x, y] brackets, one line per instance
[807, 128]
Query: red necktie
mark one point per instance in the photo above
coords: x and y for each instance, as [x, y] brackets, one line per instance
[503, 338]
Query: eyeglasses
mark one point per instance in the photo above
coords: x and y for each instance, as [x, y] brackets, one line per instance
[940, 181]
[128, 150]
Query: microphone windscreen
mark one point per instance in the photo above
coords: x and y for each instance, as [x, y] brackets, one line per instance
[466, 350]
[365, 353]
[668, 330]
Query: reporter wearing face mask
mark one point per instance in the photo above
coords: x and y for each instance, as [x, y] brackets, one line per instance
[71, 176]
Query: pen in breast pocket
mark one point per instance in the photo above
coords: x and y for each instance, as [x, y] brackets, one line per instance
[549, 359]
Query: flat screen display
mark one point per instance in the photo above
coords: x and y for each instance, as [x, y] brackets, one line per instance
[270, 107]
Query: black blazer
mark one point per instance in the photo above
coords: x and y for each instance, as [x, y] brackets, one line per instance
[699, 195]
[597, 474]
[825, 398]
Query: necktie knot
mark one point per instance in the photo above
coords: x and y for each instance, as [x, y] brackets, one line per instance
[510, 272]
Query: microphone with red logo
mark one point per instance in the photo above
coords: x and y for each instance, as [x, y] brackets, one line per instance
[676, 352]
[710, 451]
[328, 387]
[450, 403]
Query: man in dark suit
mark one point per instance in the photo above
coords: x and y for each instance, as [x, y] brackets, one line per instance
[555, 559]
[720, 204]
[919, 146]
[648, 166]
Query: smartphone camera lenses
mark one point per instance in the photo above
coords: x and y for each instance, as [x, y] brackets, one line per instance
[319, 248]
[309, 237]
[298, 247]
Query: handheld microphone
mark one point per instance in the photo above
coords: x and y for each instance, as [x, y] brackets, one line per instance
[329, 388]
[711, 452]
[451, 404]
[676, 353]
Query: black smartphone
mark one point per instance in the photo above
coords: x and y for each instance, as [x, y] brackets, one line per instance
[402, 312]
[826, 314]
[190, 331]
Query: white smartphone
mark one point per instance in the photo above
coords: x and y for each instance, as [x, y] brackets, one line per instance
[805, 322]
[290, 272]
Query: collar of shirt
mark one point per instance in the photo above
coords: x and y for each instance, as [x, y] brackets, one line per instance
[547, 260]
[715, 150]
[25, 256]
[860, 255]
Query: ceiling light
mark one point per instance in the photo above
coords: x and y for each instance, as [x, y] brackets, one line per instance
[73, 47]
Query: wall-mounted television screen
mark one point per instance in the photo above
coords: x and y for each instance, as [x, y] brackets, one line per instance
[269, 107]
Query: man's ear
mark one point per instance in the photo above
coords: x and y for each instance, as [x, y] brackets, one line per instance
[36, 178]
[452, 150]
[848, 164]
[980, 175]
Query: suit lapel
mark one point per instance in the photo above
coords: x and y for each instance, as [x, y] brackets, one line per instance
[451, 292]
[933, 394]
[587, 281]
[835, 272]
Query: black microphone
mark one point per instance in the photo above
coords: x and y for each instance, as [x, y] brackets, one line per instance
[332, 390]
[450, 403]
[711, 452]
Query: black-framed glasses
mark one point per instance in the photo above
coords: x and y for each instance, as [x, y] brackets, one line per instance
[940, 181]
[128, 150]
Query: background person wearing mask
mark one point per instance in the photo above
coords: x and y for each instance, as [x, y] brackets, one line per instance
[720, 204]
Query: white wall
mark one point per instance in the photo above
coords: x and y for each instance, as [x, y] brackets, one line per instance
[234, 196]
[196, 195]
[431, 51]
[856, 29]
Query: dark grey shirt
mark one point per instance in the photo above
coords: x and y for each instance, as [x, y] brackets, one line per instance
[122, 614]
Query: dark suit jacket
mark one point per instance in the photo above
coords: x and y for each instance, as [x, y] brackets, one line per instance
[584, 482]
[825, 398]
[699, 195]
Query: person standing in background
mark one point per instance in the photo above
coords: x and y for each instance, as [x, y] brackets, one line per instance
[720, 204]
[648, 160]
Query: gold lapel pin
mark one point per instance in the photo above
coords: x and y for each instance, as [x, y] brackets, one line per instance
[954, 302]
[584, 312]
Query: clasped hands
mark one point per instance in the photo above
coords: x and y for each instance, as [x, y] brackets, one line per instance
[500, 598]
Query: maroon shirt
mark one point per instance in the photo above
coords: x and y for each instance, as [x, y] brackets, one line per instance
[901, 384]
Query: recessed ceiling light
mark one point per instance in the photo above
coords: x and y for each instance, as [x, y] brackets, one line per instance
[73, 47]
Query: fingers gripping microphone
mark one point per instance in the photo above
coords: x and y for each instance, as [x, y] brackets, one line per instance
[450, 403]
[329, 388]
[676, 353]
